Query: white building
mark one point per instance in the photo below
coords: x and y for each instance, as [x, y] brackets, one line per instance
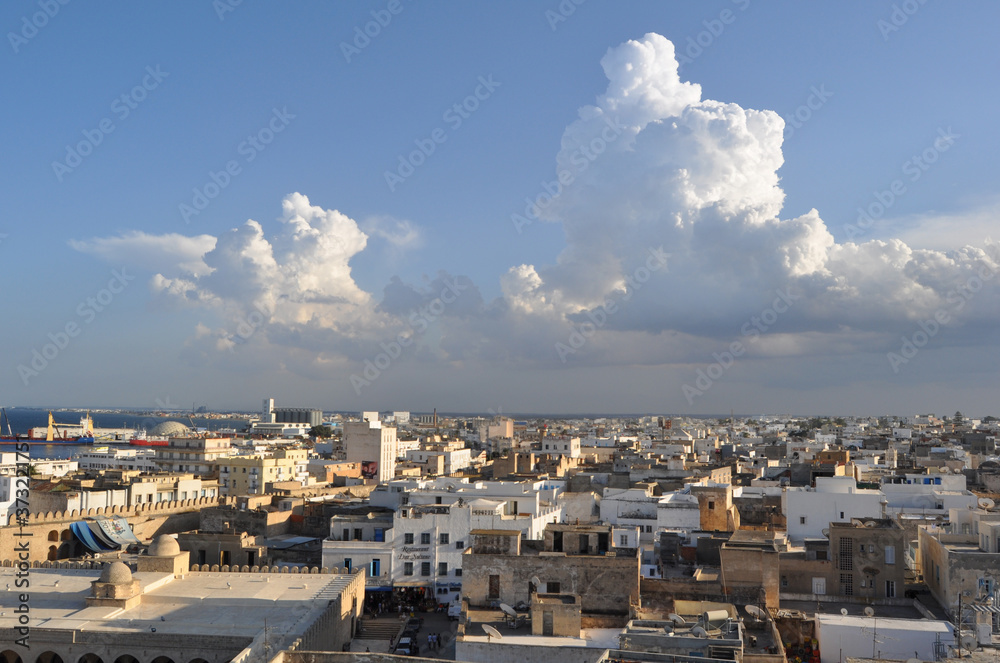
[560, 446]
[368, 443]
[455, 460]
[428, 542]
[678, 511]
[49, 467]
[111, 458]
[809, 511]
[632, 507]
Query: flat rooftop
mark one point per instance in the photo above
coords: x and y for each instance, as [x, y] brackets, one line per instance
[233, 604]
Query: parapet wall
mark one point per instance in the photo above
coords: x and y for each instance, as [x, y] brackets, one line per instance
[48, 534]
[125, 511]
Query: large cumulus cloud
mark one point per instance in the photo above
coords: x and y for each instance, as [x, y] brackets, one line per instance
[649, 169]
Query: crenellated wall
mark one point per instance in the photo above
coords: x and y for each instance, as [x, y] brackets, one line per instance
[43, 532]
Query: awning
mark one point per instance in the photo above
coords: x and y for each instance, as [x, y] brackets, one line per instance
[86, 536]
[985, 608]
[378, 589]
[117, 530]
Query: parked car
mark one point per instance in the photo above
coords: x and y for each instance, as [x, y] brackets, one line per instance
[407, 647]
[414, 623]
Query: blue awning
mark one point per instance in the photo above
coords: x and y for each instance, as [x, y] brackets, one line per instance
[86, 536]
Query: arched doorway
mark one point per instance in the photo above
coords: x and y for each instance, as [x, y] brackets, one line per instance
[49, 657]
[90, 658]
[10, 656]
[126, 658]
[162, 659]
[53, 554]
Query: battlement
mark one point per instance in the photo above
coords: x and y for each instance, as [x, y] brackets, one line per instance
[124, 511]
[195, 568]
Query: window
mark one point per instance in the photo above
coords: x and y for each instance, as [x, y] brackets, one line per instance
[376, 568]
[348, 563]
[784, 581]
[494, 588]
[623, 540]
[442, 568]
[846, 554]
[841, 515]
[890, 589]
[425, 539]
[711, 505]
[802, 520]
[379, 534]
[551, 588]
[649, 529]
[443, 539]
[460, 545]
[408, 538]
[458, 573]
[408, 569]
[425, 568]
[437, 499]
[357, 533]
[847, 584]
[890, 554]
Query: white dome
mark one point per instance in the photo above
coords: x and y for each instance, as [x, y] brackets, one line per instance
[170, 429]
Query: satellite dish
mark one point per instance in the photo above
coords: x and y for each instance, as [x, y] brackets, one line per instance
[675, 618]
[826, 532]
[491, 632]
[507, 610]
[699, 632]
[871, 523]
[986, 503]
[969, 641]
[756, 612]
[843, 611]
[535, 581]
[869, 611]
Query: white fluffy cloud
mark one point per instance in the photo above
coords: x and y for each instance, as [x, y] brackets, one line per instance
[650, 169]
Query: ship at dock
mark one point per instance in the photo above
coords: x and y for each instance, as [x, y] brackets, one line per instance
[83, 433]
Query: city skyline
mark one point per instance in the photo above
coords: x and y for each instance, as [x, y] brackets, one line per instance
[694, 209]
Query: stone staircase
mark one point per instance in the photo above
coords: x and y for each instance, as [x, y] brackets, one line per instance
[379, 628]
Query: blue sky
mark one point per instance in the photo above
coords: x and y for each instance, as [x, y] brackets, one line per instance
[298, 305]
